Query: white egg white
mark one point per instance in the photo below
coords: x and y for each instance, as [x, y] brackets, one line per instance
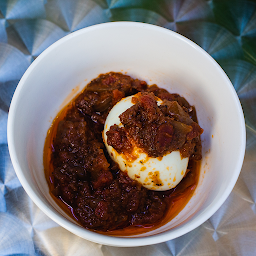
[160, 173]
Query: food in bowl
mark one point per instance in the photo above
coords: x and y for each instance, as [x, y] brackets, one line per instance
[91, 183]
[152, 53]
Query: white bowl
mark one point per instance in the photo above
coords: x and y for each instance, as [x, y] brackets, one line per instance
[147, 52]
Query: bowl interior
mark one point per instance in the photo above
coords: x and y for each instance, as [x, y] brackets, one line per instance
[155, 55]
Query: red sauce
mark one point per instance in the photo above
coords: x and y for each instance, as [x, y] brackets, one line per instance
[88, 185]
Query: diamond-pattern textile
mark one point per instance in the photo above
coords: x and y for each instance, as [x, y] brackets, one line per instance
[226, 29]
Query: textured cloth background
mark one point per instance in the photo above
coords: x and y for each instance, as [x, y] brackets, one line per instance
[226, 29]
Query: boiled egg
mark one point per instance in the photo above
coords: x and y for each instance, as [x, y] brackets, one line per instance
[160, 173]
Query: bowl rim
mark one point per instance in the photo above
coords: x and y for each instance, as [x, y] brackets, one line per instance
[91, 235]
